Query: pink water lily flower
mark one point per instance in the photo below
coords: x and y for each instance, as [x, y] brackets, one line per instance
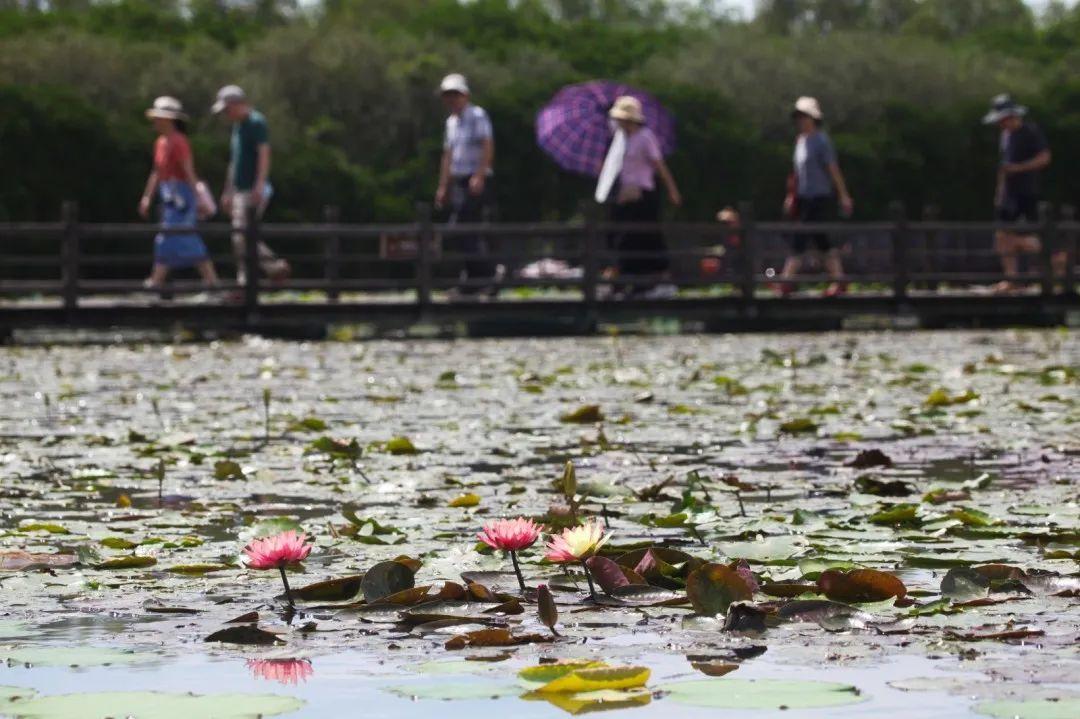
[278, 551]
[283, 671]
[511, 535]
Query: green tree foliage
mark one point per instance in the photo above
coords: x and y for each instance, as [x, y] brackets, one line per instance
[348, 86]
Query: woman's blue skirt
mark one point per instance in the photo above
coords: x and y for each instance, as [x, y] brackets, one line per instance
[178, 251]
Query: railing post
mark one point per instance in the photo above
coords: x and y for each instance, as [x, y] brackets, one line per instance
[424, 241]
[1048, 220]
[1068, 249]
[931, 213]
[69, 255]
[899, 250]
[251, 261]
[748, 279]
[332, 254]
[590, 263]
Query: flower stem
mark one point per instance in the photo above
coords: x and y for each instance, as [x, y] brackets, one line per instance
[285, 581]
[588, 576]
[517, 570]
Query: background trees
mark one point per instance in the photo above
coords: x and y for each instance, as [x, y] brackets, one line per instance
[348, 85]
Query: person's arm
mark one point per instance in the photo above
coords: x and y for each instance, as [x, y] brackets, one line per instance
[1039, 162]
[148, 194]
[487, 161]
[262, 174]
[669, 181]
[847, 205]
[444, 180]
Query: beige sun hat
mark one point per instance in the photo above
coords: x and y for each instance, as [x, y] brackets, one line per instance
[167, 108]
[629, 109]
[810, 107]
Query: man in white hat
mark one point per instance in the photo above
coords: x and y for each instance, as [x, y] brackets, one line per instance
[465, 174]
[247, 183]
[818, 183]
[1025, 153]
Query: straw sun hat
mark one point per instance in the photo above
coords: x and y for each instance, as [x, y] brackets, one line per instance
[629, 109]
[167, 108]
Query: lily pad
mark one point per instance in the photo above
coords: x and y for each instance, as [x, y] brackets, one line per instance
[1068, 708]
[159, 705]
[772, 694]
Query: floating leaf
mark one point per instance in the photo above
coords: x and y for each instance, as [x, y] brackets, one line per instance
[197, 570]
[963, 584]
[332, 590]
[129, 562]
[860, 585]
[465, 500]
[597, 679]
[714, 587]
[228, 469]
[493, 638]
[607, 573]
[800, 425]
[158, 705]
[245, 634]
[73, 656]
[400, 445]
[772, 694]
[1064, 708]
[386, 578]
[586, 414]
[19, 560]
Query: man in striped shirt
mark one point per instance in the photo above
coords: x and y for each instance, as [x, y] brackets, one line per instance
[465, 176]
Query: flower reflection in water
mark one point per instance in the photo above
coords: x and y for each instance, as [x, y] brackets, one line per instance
[282, 671]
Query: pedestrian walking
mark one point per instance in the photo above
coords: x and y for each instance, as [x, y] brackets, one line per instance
[174, 182]
[637, 200]
[466, 177]
[247, 182]
[817, 184]
[1025, 153]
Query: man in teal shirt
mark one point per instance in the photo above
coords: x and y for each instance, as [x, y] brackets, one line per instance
[247, 183]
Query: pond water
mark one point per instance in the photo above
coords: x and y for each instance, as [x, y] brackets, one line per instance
[134, 475]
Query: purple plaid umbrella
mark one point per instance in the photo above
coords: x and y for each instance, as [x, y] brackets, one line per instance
[574, 129]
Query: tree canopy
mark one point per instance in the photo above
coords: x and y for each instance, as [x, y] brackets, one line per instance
[348, 88]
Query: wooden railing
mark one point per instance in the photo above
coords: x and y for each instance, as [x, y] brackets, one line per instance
[749, 248]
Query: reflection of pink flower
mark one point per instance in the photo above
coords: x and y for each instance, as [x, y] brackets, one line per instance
[511, 535]
[282, 671]
[576, 543]
[277, 552]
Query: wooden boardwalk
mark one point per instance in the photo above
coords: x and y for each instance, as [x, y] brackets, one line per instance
[903, 274]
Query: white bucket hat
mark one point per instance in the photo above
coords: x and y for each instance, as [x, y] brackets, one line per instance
[167, 108]
[1001, 107]
[454, 82]
[810, 107]
[627, 108]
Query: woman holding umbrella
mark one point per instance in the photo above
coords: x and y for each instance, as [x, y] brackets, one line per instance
[637, 199]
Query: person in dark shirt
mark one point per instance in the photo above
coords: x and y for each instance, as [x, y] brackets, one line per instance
[1025, 153]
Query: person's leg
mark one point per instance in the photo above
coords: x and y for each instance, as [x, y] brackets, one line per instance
[240, 203]
[477, 266]
[207, 273]
[158, 274]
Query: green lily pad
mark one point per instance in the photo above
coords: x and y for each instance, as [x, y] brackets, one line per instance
[158, 705]
[68, 656]
[1040, 709]
[771, 694]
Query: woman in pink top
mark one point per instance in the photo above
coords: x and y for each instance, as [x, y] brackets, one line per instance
[638, 197]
